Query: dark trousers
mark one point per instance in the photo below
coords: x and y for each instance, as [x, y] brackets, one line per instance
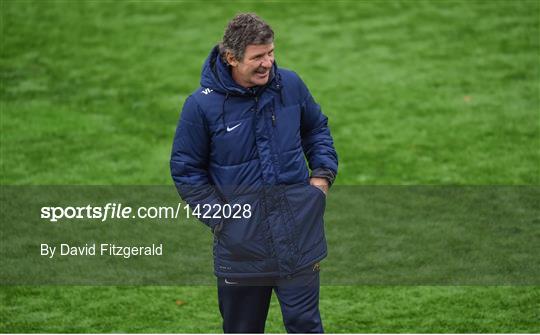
[244, 303]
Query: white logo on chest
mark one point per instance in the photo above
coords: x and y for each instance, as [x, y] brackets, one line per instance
[233, 128]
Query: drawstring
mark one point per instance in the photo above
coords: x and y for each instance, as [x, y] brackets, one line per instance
[280, 89]
[273, 113]
[280, 95]
[223, 109]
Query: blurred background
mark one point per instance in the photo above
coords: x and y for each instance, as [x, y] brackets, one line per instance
[417, 93]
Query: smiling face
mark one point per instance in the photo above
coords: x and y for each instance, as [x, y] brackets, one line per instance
[254, 68]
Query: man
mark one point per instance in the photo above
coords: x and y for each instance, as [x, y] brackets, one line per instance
[242, 140]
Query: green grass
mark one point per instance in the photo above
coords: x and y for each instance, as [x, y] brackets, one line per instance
[417, 92]
[382, 309]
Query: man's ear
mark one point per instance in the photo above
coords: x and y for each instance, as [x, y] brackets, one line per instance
[231, 59]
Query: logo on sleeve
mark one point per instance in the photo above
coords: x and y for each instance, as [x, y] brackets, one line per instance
[206, 91]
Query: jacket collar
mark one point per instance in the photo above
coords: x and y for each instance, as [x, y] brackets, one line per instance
[216, 75]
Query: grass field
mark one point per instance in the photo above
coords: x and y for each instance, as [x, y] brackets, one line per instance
[417, 92]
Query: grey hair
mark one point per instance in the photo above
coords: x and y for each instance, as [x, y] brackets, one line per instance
[244, 29]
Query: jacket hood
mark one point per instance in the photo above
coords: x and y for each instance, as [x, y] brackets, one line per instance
[216, 75]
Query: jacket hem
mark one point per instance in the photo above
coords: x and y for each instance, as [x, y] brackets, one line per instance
[272, 273]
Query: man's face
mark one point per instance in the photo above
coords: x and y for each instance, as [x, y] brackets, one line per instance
[254, 69]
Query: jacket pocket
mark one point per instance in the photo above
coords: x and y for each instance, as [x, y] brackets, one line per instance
[307, 204]
[244, 238]
[321, 192]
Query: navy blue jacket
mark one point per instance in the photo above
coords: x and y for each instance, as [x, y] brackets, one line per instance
[242, 146]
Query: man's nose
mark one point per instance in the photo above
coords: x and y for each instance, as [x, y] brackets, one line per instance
[267, 62]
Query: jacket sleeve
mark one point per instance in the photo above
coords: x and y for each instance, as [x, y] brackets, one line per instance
[316, 138]
[189, 163]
